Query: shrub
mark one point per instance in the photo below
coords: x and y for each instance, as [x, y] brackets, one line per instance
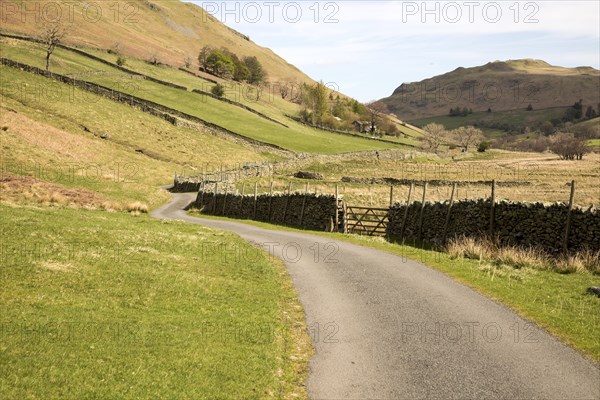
[568, 147]
[483, 147]
[121, 61]
[218, 90]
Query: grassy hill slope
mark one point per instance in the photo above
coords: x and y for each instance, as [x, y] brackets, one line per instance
[296, 137]
[169, 30]
[101, 303]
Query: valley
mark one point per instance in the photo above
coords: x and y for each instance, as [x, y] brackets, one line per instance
[116, 287]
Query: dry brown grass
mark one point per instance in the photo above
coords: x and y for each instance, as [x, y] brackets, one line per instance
[521, 257]
[543, 177]
[585, 260]
[495, 257]
[137, 208]
[472, 248]
[27, 189]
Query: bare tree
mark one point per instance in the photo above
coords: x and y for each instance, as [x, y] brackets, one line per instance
[187, 61]
[568, 147]
[53, 34]
[467, 136]
[284, 90]
[377, 112]
[115, 48]
[154, 58]
[434, 135]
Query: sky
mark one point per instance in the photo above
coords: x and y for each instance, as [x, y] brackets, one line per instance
[366, 49]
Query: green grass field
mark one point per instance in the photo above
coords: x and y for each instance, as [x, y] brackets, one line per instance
[516, 117]
[297, 137]
[56, 128]
[105, 305]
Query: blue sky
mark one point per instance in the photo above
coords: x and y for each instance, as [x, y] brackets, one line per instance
[368, 48]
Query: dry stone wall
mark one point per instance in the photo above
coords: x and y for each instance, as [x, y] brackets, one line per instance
[295, 209]
[171, 115]
[524, 224]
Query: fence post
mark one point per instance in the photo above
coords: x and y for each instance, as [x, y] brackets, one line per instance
[255, 197]
[241, 213]
[345, 217]
[568, 222]
[410, 190]
[270, 201]
[493, 209]
[391, 195]
[287, 202]
[337, 211]
[202, 194]
[448, 214]
[225, 199]
[215, 197]
[422, 211]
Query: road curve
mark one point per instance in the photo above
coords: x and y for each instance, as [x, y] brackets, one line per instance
[385, 327]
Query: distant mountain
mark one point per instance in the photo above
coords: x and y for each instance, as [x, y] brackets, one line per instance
[499, 85]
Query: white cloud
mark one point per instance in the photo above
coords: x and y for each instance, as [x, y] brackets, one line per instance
[392, 37]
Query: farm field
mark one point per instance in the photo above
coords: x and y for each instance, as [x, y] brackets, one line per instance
[59, 141]
[297, 137]
[512, 117]
[533, 177]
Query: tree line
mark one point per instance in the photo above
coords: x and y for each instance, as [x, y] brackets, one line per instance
[568, 144]
[227, 65]
[324, 108]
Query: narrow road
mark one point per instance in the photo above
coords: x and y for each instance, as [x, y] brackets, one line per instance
[385, 327]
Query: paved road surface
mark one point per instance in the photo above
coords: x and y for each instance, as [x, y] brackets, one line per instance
[385, 327]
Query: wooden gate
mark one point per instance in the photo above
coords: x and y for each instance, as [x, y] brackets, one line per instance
[368, 221]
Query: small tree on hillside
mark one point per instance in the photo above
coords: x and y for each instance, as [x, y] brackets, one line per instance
[547, 128]
[467, 136]
[53, 34]
[187, 61]
[218, 90]
[203, 56]
[257, 74]
[314, 99]
[154, 58]
[220, 64]
[434, 135]
[284, 89]
[377, 111]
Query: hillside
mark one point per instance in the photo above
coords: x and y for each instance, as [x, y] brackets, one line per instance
[169, 30]
[499, 85]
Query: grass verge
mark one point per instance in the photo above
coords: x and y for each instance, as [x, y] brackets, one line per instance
[105, 305]
[555, 302]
